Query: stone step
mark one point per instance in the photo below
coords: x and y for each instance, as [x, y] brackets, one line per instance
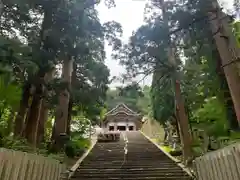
[135, 178]
[143, 161]
[156, 164]
[133, 175]
[131, 169]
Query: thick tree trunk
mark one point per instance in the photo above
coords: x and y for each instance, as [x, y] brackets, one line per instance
[231, 115]
[183, 123]
[32, 122]
[44, 109]
[70, 105]
[228, 51]
[42, 121]
[63, 102]
[20, 118]
[176, 119]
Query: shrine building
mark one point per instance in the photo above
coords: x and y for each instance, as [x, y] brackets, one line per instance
[122, 118]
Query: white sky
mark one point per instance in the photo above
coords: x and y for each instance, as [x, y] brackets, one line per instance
[129, 13]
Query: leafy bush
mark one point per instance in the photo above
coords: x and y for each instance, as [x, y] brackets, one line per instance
[20, 145]
[76, 147]
[212, 118]
[16, 144]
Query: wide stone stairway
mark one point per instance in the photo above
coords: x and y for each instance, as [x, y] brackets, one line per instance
[142, 160]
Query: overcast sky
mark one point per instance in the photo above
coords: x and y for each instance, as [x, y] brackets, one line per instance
[129, 13]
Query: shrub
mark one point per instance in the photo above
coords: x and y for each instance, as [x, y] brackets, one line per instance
[76, 147]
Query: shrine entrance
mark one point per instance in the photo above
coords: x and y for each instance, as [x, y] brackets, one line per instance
[111, 128]
[121, 118]
[131, 128]
[121, 128]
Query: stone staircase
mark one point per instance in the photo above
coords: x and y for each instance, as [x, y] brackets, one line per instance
[142, 161]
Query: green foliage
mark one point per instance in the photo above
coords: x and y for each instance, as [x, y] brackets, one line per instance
[212, 118]
[144, 102]
[198, 67]
[135, 97]
[236, 32]
[162, 98]
[36, 37]
[76, 147]
[80, 126]
[10, 92]
[10, 142]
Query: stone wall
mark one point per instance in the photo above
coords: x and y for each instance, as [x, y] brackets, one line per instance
[153, 130]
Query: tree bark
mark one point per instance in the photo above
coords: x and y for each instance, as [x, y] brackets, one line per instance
[226, 45]
[24, 103]
[70, 105]
[63, 102]
[38, 107]
[42, 121]
[183, 123]
[32, 122]
[227, 100]
[44, 109]
[176, 119]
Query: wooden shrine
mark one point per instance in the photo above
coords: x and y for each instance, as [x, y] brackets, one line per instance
[122, 118]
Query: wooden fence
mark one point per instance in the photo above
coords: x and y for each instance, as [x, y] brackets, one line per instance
[223, 164]
[15, 165]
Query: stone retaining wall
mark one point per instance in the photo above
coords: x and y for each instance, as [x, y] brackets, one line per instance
[153, 130]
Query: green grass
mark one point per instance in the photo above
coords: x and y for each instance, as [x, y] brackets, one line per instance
[167, 149]
[164, 148]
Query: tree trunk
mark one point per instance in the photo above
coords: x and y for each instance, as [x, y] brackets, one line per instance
[228, 51]
[183, 119]
[176, 119]
[227, 100]
[42, 121]
[20, 118]
[44, 109]
[38, 107]
[183, 123]
[70, 105]
[32, 122]
[63, 102]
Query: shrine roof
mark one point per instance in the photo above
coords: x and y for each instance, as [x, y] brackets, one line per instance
[121, 108]
[123, 112]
